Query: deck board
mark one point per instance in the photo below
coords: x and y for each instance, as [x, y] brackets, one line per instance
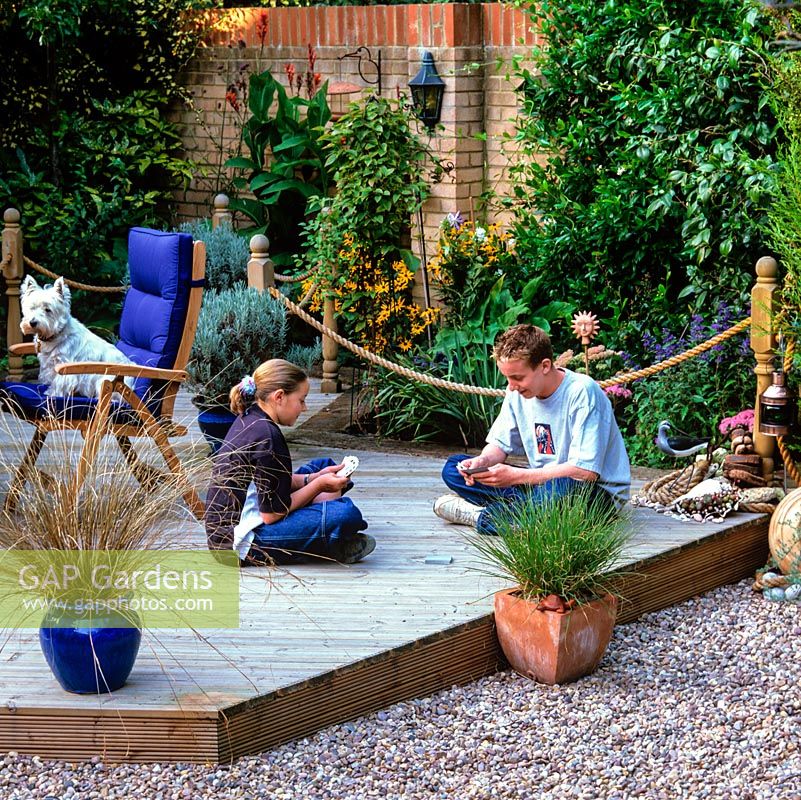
[314, 636]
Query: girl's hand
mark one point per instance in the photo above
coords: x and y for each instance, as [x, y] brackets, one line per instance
[327, 481]
[334, 468]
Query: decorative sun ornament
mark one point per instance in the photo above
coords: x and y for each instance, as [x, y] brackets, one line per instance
[585, 326]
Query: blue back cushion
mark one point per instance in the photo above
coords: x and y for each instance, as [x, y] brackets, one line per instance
[154, 311]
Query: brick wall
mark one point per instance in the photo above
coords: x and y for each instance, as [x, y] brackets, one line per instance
[478, 99]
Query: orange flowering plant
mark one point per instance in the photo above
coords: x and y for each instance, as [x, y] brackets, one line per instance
[354, 241]
[468, 262]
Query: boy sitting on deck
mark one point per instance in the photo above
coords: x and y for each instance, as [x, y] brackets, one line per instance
[560, 420]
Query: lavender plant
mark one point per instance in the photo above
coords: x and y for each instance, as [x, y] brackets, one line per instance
[696, 394]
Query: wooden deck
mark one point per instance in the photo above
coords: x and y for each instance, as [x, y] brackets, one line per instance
[326, 642]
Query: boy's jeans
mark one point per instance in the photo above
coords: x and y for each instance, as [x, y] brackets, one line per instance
[490, 496]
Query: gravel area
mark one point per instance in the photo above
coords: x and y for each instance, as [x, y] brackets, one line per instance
[696, 701]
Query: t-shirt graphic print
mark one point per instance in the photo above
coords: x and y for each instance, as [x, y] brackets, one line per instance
[544, 439]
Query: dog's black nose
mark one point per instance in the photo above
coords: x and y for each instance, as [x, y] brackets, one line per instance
[34, 323]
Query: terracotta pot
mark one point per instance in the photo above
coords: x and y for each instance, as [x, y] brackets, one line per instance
[553, 646]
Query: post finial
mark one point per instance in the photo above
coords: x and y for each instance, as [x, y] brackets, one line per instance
[767, 267]
[259, 245]
[261, 272]
[11, 216]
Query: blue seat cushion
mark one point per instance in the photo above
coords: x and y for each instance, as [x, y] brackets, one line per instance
[151, 328]
[28, 400]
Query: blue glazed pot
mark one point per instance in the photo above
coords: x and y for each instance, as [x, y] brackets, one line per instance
[214, 424]
[89, 660]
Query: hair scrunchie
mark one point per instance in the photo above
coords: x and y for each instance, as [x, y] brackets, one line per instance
[247, 387]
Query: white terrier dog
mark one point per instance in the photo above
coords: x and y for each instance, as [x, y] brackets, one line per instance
[61, 339]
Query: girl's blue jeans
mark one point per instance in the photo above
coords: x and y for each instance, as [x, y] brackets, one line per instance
[318, 529]
[490, 496]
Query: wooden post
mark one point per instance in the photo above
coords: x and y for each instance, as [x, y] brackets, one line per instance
[13, 272]
[261, 271]
[763, 343]
[330, 383]
[221, 214]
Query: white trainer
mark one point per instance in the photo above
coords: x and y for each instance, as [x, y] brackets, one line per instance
[453, 508]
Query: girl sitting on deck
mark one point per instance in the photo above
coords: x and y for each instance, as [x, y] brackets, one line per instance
[256, 504]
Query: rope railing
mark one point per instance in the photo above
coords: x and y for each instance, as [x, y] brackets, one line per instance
[635, 375]
[378, 360]
[295, 278]
[87, 287]
[422, 377]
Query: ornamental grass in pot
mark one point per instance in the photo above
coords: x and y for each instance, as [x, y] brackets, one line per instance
[65, 548]
[562, 552]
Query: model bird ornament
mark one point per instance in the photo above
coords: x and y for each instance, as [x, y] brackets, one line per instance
[682, 446]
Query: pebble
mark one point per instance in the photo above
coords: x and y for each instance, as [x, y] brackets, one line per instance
[699, 700]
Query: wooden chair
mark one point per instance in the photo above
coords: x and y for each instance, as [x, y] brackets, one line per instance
[157, 329]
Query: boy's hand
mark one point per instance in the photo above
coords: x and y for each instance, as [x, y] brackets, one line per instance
[498, 475]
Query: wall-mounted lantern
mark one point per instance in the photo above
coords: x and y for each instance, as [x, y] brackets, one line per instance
[427, 91]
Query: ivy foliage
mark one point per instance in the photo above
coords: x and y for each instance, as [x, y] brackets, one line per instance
[784, 216]
[85, 149]
[650, 146]
[378, 164]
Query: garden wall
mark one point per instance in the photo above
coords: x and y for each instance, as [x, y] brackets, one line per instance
[472, 46]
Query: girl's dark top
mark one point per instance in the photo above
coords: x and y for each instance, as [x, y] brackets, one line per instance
[253, 451]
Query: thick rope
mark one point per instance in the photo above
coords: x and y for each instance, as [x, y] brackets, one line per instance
[6, 261]
[789, 464]
[629, 377]
[73, 284]
[467, 389]
[294, 278]
[378, 360]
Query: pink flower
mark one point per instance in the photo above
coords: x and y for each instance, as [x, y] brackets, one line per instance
[619, 392]
[745, 419]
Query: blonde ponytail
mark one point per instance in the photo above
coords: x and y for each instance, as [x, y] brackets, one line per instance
[267, 378]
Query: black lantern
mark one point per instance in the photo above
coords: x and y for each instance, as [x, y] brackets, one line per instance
[776, 408]
[427, 90]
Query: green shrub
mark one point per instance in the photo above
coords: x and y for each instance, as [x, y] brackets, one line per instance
[354, 240]
[660, 141]
[87, 152]
[307, 357]
[227, 253]
[695, 395]
[237, 330]
[286, 166]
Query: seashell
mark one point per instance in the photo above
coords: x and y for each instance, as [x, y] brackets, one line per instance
[776, 593]
[770, 576]
[792, 594]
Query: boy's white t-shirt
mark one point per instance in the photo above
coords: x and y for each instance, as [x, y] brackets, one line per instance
[575, 425]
